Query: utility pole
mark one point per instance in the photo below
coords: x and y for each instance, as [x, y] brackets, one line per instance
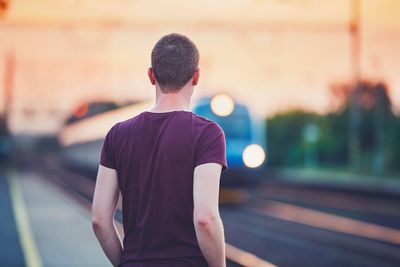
[9, 72]
[378, 158]
[355, 39]
[9, 64]
[355, 109]
[3, 6]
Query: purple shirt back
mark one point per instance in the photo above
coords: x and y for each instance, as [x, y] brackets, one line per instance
[155, 155]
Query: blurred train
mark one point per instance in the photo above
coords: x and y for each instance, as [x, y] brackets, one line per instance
[245, 139]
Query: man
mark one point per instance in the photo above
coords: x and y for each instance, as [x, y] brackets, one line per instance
[166, 163]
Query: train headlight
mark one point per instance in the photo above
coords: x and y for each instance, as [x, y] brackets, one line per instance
[222, 105]
[253, 156]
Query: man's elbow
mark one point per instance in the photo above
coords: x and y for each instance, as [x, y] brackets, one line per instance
[97, 223]
[100, 222]
[205, 220]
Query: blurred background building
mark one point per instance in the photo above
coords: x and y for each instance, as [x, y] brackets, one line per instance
[278, 55]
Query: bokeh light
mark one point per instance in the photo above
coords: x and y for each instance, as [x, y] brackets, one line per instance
[253, 156]
[222, 105]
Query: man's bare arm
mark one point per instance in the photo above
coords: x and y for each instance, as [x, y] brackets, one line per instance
[207, 221]
[105, 202]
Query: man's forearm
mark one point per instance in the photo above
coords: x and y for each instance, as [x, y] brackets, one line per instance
[110, 241]
[210, 235]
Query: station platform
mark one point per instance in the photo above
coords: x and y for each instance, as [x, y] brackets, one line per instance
[40, 225]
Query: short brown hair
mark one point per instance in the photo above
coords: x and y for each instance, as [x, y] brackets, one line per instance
[174, 60]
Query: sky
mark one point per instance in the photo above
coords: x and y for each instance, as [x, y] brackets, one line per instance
[273, 55]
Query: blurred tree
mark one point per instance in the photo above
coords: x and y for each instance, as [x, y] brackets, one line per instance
[333, 144]
[376, 119]
[285, 134]
[392, 144]
[378, 136]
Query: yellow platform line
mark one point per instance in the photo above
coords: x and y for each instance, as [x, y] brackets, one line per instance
[31, 255]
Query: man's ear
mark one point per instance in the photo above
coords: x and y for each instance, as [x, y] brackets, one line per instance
[152, 78]
[196, 77]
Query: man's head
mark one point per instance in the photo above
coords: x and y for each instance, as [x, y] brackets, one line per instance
[174, 62]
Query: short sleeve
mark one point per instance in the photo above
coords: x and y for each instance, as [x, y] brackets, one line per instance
[107, 156]
[211, 147]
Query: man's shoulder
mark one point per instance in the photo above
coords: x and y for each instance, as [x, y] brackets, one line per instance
[122, 126]
[208, 124]
[203, 120]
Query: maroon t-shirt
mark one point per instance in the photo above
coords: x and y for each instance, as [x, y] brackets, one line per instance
[155, 155]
